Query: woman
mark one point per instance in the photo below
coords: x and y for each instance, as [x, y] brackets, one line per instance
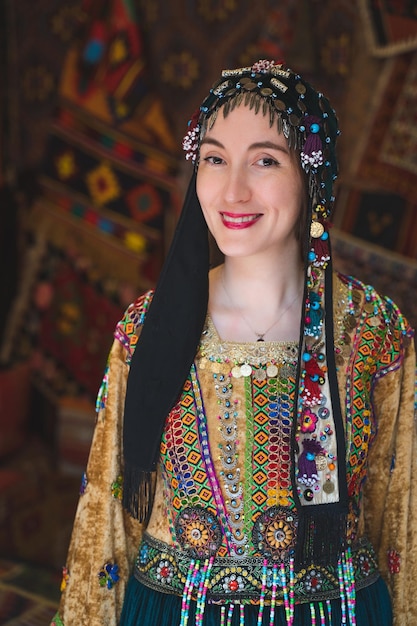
[257, 467]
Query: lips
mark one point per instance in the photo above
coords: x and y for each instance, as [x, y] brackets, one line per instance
[237, 221]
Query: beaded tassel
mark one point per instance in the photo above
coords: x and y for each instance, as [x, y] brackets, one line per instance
[202, 591]
[263, 589]
[350, 586]
[242, 615]
[329, 611]
[322, 617]
[230, 614]
[188, 590]
[288, 593]
[222, 616]
[342, 591]
[292, 599]
[313, 614]
[274, 594]
[347, 588]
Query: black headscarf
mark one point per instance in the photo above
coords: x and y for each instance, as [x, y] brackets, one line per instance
[165, 352]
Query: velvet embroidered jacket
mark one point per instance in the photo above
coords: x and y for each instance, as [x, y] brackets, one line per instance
[224, 481]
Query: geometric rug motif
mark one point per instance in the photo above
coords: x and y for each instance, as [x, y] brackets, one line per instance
[399, 147]
[390, 27]
[64, 324]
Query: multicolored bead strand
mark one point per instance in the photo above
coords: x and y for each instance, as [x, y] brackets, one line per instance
[350, 587]
[223, 616]
[263, 590]
[329, 611]
[188, 590]
[274, 594]
[313, 614]
[288, 592]
[242, 615]
[292, 582]
[322, 616]
[342, 591]
[202, 591]
[230, 615]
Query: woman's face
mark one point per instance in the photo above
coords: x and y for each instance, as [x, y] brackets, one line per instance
[249, 185]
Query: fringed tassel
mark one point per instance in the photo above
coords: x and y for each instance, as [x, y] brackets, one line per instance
[138, 492]
[320, 253]
[307, 468]
[320, 535]
[312, 152]
[313, 377]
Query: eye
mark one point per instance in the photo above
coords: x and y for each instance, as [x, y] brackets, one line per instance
[267, 162]
[214, 160]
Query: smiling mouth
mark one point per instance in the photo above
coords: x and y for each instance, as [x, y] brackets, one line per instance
[236, 220]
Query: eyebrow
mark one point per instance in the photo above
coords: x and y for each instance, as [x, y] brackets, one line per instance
[254, 146]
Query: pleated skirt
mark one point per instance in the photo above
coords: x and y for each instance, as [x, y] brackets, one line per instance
[145, 607]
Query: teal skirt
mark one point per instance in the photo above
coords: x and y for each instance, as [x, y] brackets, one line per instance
[145, 607]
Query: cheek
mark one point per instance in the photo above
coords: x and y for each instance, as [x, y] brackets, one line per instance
[204, 196]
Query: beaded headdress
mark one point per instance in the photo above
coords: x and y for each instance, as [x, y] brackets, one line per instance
[302, 114]
[175, 320]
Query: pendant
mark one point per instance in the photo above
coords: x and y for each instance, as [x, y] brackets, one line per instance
[261, 338]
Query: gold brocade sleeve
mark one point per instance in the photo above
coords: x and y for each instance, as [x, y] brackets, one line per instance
[103, 532]
[390, 494]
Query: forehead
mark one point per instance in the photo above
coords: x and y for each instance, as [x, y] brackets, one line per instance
[244, 124]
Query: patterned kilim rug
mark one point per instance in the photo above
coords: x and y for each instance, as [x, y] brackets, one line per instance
[28, 595]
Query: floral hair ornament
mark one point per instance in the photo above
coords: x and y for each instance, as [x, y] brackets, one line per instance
[190, 143]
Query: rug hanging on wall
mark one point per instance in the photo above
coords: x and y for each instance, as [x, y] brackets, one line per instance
[390, 27]
[380, 205]
[63, 323]
[110, 167]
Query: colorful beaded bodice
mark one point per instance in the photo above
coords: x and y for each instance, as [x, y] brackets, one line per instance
[226, 450]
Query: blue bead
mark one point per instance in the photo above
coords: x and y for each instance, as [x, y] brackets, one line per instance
[314, 128]
[311, 256]
[306, 357]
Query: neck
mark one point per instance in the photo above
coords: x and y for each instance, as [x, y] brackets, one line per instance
[249, 298]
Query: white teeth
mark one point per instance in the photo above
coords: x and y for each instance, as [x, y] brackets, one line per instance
[239, 220]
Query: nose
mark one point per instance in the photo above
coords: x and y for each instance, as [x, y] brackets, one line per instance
[236, 186]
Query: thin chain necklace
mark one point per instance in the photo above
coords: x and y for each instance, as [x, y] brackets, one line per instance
[259, 336]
